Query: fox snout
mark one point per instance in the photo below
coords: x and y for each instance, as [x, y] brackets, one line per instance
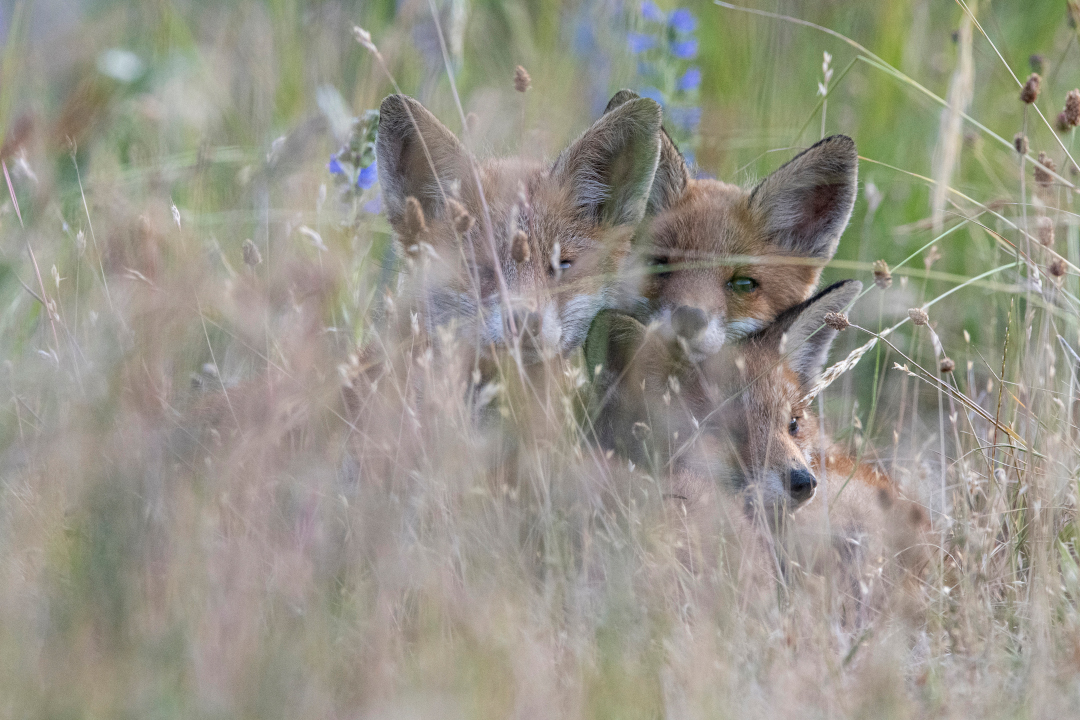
[697, 332]
[800, 484]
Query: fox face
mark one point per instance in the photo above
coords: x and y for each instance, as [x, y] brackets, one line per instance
[737, 418]
[524, 253]
[716, 261]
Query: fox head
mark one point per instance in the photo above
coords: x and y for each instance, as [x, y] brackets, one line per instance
[528, 251]
[738, 417]
[715, 261]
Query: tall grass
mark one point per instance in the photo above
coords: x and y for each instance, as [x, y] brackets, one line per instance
[194, 521]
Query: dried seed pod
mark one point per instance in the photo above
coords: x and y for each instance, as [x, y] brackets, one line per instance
[463, 221]
[522, 81]
[1042, 177]
[837, 321]
[882, 276]
[946, 365]
[1057, 268]
[251, 254]
[1062, 122]
[1030, 92]
[1045, 230]
[1020, 142]
[1072, 107]
[415, 227]
[519, 250]
[918, 316]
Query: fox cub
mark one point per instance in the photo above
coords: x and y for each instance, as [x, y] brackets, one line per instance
[714, 261]
[513, 250]
[738, 424]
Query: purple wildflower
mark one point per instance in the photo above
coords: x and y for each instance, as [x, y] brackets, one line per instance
[651, 12]
[684, 49]
[639, 42]
[334, 166]
[691, 79]
[367, 177]
[682, 20]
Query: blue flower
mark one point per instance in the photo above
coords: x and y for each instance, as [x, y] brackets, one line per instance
[685, 49]
[640, 42]
[334, 166]
[691, 79]
[683, 21]
[650, 12]
[367, 177]
[653, 94]
[685, 118]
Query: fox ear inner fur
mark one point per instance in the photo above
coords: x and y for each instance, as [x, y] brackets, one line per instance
[610, 168]
[417, 157]
[801, 334]
[672, 175]
[805, 205]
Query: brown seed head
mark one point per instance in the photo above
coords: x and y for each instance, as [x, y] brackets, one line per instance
[463, 221]
[882, 276]
[918, 316]
[251, 254]
[519, 250]
[522, 81]
[946, 365]
[1062, 122]
[1042, 177]
[837, 321]
[415, 227]
[1072, 107]
[1045, 230]
[1057, 268]
[1020, 142]
[1036, 62]
[1030, 93]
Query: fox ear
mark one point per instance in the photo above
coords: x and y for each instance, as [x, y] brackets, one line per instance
[672, 175]
[805, 205]
[801, 333]
[610, 168]
[417, 156]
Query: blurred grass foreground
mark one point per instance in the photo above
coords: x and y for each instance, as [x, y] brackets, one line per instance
[192, 244]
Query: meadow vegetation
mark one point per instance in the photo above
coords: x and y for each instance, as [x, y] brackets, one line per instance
[197, 521]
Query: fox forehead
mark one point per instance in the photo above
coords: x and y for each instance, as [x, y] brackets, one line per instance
[711, 220]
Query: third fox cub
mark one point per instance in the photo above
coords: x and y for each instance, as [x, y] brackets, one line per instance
[718, 261]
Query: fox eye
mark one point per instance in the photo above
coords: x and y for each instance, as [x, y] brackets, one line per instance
[793, 427]
[742, 285]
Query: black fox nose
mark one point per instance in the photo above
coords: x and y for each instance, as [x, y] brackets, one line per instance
[687, 322]
[801, 484]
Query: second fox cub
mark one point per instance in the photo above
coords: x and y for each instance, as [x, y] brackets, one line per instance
[739, 424]
[718, 261]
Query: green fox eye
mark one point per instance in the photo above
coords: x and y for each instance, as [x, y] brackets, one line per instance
[742, 285]
[793, 426]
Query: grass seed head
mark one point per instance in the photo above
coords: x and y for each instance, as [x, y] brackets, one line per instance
[1062, 122]
[882, 276]
[1072, 107]
[519, 250]
[837, 321]
[946, 365]
[918, 316]
[252, 256]
[1042, 177]
[1030, 92]
[1045, 231]
[1020, 142]
[522, 81]
[1057, 268]
[463, 221]
[1036, 63]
